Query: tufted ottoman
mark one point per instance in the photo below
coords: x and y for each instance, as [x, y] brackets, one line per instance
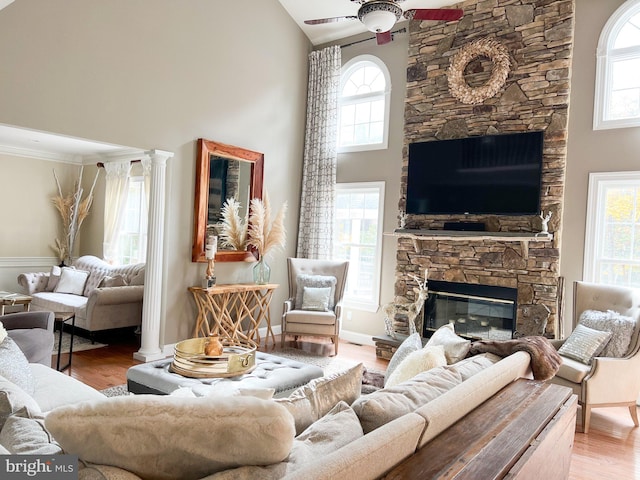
[271, 371]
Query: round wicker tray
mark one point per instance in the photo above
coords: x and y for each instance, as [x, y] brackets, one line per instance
[238, 357]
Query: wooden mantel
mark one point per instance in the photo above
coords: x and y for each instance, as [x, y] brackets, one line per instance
[418, 235]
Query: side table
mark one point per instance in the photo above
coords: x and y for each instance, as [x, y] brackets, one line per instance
[9, 299]
[60, 319]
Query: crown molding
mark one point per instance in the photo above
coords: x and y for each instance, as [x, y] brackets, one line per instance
[41, 155]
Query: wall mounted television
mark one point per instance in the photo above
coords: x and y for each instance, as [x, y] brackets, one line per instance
[490, 174]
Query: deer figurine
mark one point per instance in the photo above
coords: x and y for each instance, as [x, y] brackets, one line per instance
[412, 310]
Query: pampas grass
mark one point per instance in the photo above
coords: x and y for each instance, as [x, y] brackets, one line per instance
[233, 231]
[73, 210]
[264, 235]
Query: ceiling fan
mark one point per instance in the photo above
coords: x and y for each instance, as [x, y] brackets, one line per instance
[379, 16]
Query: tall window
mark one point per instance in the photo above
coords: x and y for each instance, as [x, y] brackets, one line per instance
[612, 243]
[358, 238]
[617, 95]
[132, 237]
[364, 105]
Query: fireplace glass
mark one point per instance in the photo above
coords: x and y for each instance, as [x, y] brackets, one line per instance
[475, 311]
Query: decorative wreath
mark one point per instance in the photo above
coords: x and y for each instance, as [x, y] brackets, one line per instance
[485, 47]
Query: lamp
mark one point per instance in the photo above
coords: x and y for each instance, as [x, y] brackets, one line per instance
[379, 15]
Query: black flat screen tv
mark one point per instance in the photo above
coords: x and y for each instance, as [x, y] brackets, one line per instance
[490, 174]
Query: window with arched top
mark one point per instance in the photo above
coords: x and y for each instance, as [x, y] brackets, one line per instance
[365, 89]
[617, 95]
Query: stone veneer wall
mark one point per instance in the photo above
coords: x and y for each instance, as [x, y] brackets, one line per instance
[539, 37]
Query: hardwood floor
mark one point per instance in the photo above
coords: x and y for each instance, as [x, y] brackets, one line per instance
[610, 451]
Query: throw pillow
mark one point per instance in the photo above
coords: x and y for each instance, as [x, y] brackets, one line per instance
[24, 434]
[318, 281]
[455, 347]
[339, 427]
[174, 437]
[115, 281]
[14, 366]
[621, 329]
[316, 298]
[313, 400]
[419, 361]
[410, 344]
[12, 399]
[383, 406]
[72, 281]
[138, 278]
[3, 332]
[584, 343]
[54, 277]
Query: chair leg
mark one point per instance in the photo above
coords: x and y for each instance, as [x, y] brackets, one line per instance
[336, 341]
[283, 337]
[633, 410]
[586, 418]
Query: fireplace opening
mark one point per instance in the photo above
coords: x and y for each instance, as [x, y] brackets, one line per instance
[475, 311]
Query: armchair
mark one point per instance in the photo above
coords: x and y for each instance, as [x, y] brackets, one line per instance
[297, 321]
[33, 333]
[608, 381]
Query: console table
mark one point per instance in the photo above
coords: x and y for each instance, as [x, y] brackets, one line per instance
[223, 309]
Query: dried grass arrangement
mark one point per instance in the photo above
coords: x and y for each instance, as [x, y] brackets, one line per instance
[233, 229]
[264, 235]
[73, 210]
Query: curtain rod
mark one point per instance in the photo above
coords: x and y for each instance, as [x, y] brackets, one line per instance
[101, 165]
[400, 30]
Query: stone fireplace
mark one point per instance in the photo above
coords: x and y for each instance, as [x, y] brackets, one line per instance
[538, 35]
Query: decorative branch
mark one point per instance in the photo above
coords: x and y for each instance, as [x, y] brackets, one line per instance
[264, 235]
[233, 231]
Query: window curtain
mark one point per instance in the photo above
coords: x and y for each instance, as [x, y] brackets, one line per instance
[117, 190]
[315, 231]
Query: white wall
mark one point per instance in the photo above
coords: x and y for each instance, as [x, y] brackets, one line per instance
[160, 74]
[588, 150]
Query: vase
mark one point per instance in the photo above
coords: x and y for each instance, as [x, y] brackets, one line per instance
[261, 272]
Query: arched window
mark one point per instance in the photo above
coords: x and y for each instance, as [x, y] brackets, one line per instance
[617, 95]
[365, 88]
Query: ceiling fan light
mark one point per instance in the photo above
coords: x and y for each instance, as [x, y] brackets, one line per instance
[379, 15]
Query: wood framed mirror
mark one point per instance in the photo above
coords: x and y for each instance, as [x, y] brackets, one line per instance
[223, 171]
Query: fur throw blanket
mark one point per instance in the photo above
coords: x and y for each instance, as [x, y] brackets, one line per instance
[545, 361]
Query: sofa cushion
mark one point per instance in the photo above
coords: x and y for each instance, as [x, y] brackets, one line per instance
[55, 389]
[24, 434]
[54, 278]
[317, 281]
[12, 399]
[419, 361]
[72, 281]
[313, 400]
[14, 366]
[115, 281]
[378, 408]
[339, 427]
[410, 344]
[468, 367]
[455, 347]
[174, 437]
[584, 343]
[61, 302]
[621, 329]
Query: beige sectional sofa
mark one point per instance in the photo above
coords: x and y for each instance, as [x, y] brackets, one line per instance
[110, 298]
[229, 436]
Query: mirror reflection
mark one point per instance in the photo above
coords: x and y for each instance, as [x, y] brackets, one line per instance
[228, 178]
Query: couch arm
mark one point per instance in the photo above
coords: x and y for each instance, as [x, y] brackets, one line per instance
[115, 295]
[288, 305]
[24, 320]
[33, 282]
[557, 343]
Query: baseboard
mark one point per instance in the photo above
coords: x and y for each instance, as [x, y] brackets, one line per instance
[358, 338]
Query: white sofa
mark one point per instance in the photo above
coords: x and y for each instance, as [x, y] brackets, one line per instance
[99, 307]
[368, 456]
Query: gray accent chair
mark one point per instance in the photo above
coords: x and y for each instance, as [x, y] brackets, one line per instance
[33, 333]
[607, 382]
[299, 322]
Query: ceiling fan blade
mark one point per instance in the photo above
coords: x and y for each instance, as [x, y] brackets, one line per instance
[320, 21]
[446, 14]
[383, 37]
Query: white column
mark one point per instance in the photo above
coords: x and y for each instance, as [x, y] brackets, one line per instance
[151, 308]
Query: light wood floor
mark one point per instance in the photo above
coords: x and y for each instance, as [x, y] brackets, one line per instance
[610, 451]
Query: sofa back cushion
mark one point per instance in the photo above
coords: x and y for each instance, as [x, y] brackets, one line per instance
[98, 269]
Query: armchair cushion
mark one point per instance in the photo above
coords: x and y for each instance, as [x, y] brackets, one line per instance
[310, 316]
[620, 326]
[573, 370]
[316, 298]
[584, 343]
[317, 281]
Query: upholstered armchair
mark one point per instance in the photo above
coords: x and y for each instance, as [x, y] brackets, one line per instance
[33, 333]
[607, 381]
[316, 288]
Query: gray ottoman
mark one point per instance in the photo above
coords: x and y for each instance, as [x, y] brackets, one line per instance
[271, 371]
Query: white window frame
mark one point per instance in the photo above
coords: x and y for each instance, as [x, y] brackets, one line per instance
[346, 71]
[606, 56]
[372, 304]
[595, 216]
